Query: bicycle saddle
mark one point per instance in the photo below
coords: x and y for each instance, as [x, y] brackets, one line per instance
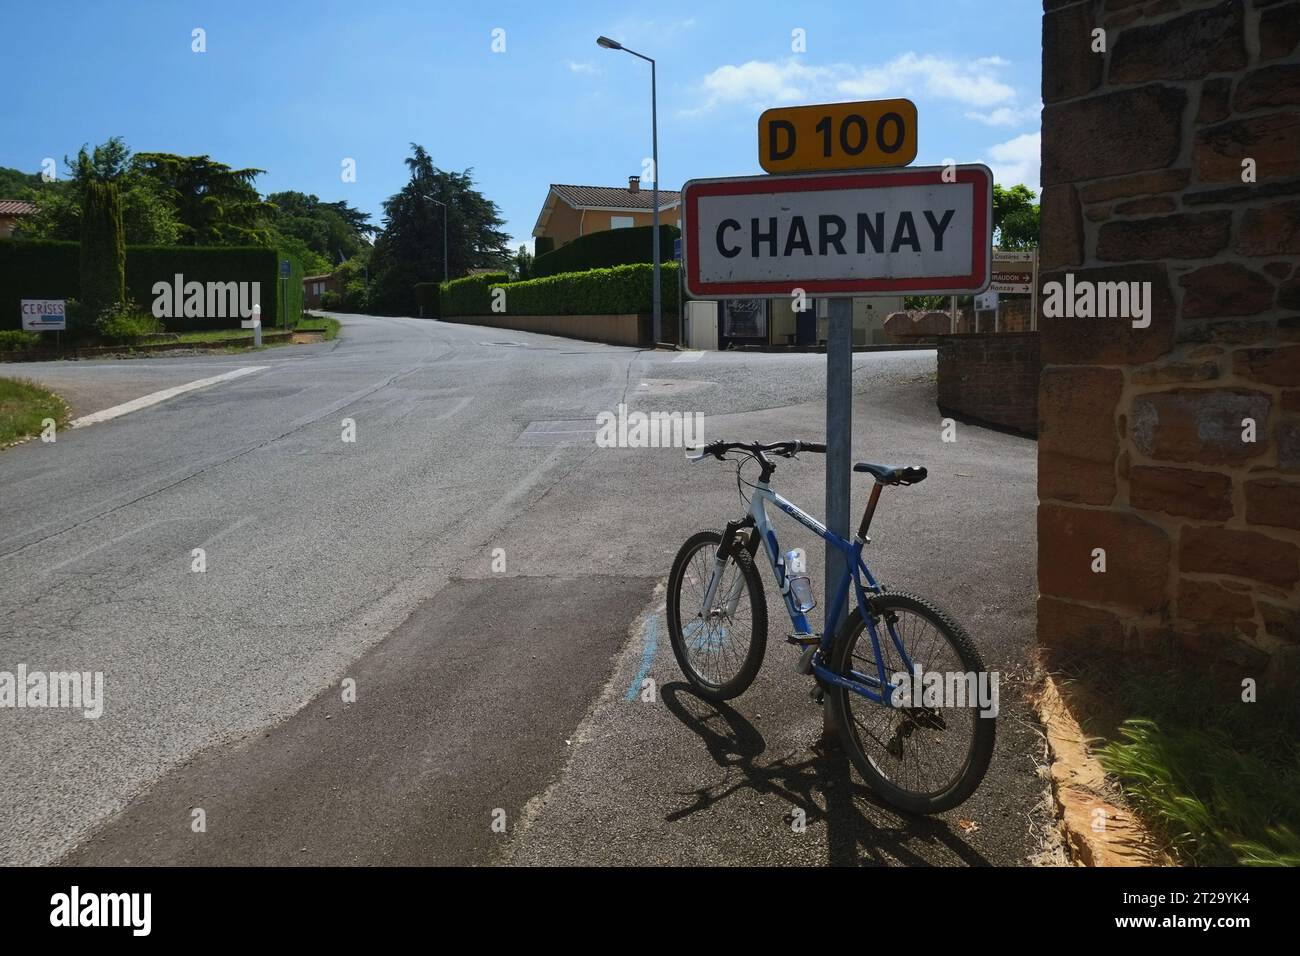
[891, 474]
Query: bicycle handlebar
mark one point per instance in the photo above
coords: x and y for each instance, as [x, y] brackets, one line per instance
[786, 449]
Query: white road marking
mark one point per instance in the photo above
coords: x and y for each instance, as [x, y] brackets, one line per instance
[689, 357]
[153, 398]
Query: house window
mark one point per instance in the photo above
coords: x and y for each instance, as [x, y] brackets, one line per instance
[621, 222]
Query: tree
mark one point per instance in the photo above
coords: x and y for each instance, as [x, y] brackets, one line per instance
[353, 275]
[215, 204]
[103, 248]
[521, 267]
[16, 184]
[1015, 217]
[409, 247]
[333, 231]
[147, 216]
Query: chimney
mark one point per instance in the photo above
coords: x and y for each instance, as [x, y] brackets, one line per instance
[634, 184]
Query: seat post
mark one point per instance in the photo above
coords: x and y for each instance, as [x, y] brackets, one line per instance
[871, 510]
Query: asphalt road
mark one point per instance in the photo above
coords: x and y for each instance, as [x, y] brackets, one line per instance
[491, 719]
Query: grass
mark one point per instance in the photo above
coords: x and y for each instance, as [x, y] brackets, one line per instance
[1217, 778]
[24, 406]
[232, 340]
[203, 336]
[319, 323]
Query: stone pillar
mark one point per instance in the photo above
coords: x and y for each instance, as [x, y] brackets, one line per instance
[1173, 158]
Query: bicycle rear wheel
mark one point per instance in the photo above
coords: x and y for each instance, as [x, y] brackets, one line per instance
[721, 650]
[923, 759]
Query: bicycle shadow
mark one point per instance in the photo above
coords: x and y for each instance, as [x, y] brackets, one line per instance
[852, 838]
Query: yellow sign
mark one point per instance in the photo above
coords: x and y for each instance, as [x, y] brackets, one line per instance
[798, 139]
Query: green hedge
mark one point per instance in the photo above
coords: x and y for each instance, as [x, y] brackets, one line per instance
[34, 269]
[542, 245]
[427, 298]
[610, 247]
[471, 292]
[619, 290]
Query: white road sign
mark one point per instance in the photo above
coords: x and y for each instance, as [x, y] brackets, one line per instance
[867, 231]
[44, 315]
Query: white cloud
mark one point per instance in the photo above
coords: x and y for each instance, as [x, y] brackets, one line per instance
[760, 83]
[575, 67]
[1016, 161]
[1006, 115]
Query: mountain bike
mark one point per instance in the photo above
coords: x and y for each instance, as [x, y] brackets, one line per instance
[920, 750]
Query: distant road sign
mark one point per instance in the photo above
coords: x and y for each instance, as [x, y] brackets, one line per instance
[285, 268]
[900, 231]
[793, 139]
[1013, 272]
[44, 315]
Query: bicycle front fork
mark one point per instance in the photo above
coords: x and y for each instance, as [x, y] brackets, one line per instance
[725, 549]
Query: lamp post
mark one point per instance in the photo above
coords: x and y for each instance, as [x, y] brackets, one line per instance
[444, 233]
[609, 44]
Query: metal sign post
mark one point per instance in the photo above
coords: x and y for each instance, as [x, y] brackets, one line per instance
[681, 294]
[285, 269]
[839, 459]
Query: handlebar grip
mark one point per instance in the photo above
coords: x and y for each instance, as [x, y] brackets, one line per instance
[812, 446]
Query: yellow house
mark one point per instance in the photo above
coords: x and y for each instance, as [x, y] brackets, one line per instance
[573, 211]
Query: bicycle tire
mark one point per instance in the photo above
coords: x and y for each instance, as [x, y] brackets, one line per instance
[717, 690]
[980, 750]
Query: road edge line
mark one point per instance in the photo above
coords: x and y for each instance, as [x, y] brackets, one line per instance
[154, 398]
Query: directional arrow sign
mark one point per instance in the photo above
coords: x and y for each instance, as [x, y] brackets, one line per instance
[918, 231]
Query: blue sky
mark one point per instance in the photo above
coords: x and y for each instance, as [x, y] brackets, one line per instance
[296, 88]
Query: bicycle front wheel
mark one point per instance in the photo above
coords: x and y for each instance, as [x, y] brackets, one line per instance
[719, 648]
[929, 754]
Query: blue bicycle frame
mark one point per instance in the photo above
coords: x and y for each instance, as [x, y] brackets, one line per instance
[875, 687]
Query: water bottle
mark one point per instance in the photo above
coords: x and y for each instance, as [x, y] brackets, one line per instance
[801, 591]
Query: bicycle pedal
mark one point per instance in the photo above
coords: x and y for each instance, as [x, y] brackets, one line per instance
[818, 695]
[805, 660]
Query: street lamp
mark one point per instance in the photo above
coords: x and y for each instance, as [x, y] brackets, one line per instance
[609, 44]
[444, 233]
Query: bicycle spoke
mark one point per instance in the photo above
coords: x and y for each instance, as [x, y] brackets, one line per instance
[717, 644]
[902, 743]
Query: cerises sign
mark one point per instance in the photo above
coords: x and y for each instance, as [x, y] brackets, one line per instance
[919, 231]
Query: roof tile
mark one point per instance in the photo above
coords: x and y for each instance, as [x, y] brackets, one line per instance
[614, 197]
